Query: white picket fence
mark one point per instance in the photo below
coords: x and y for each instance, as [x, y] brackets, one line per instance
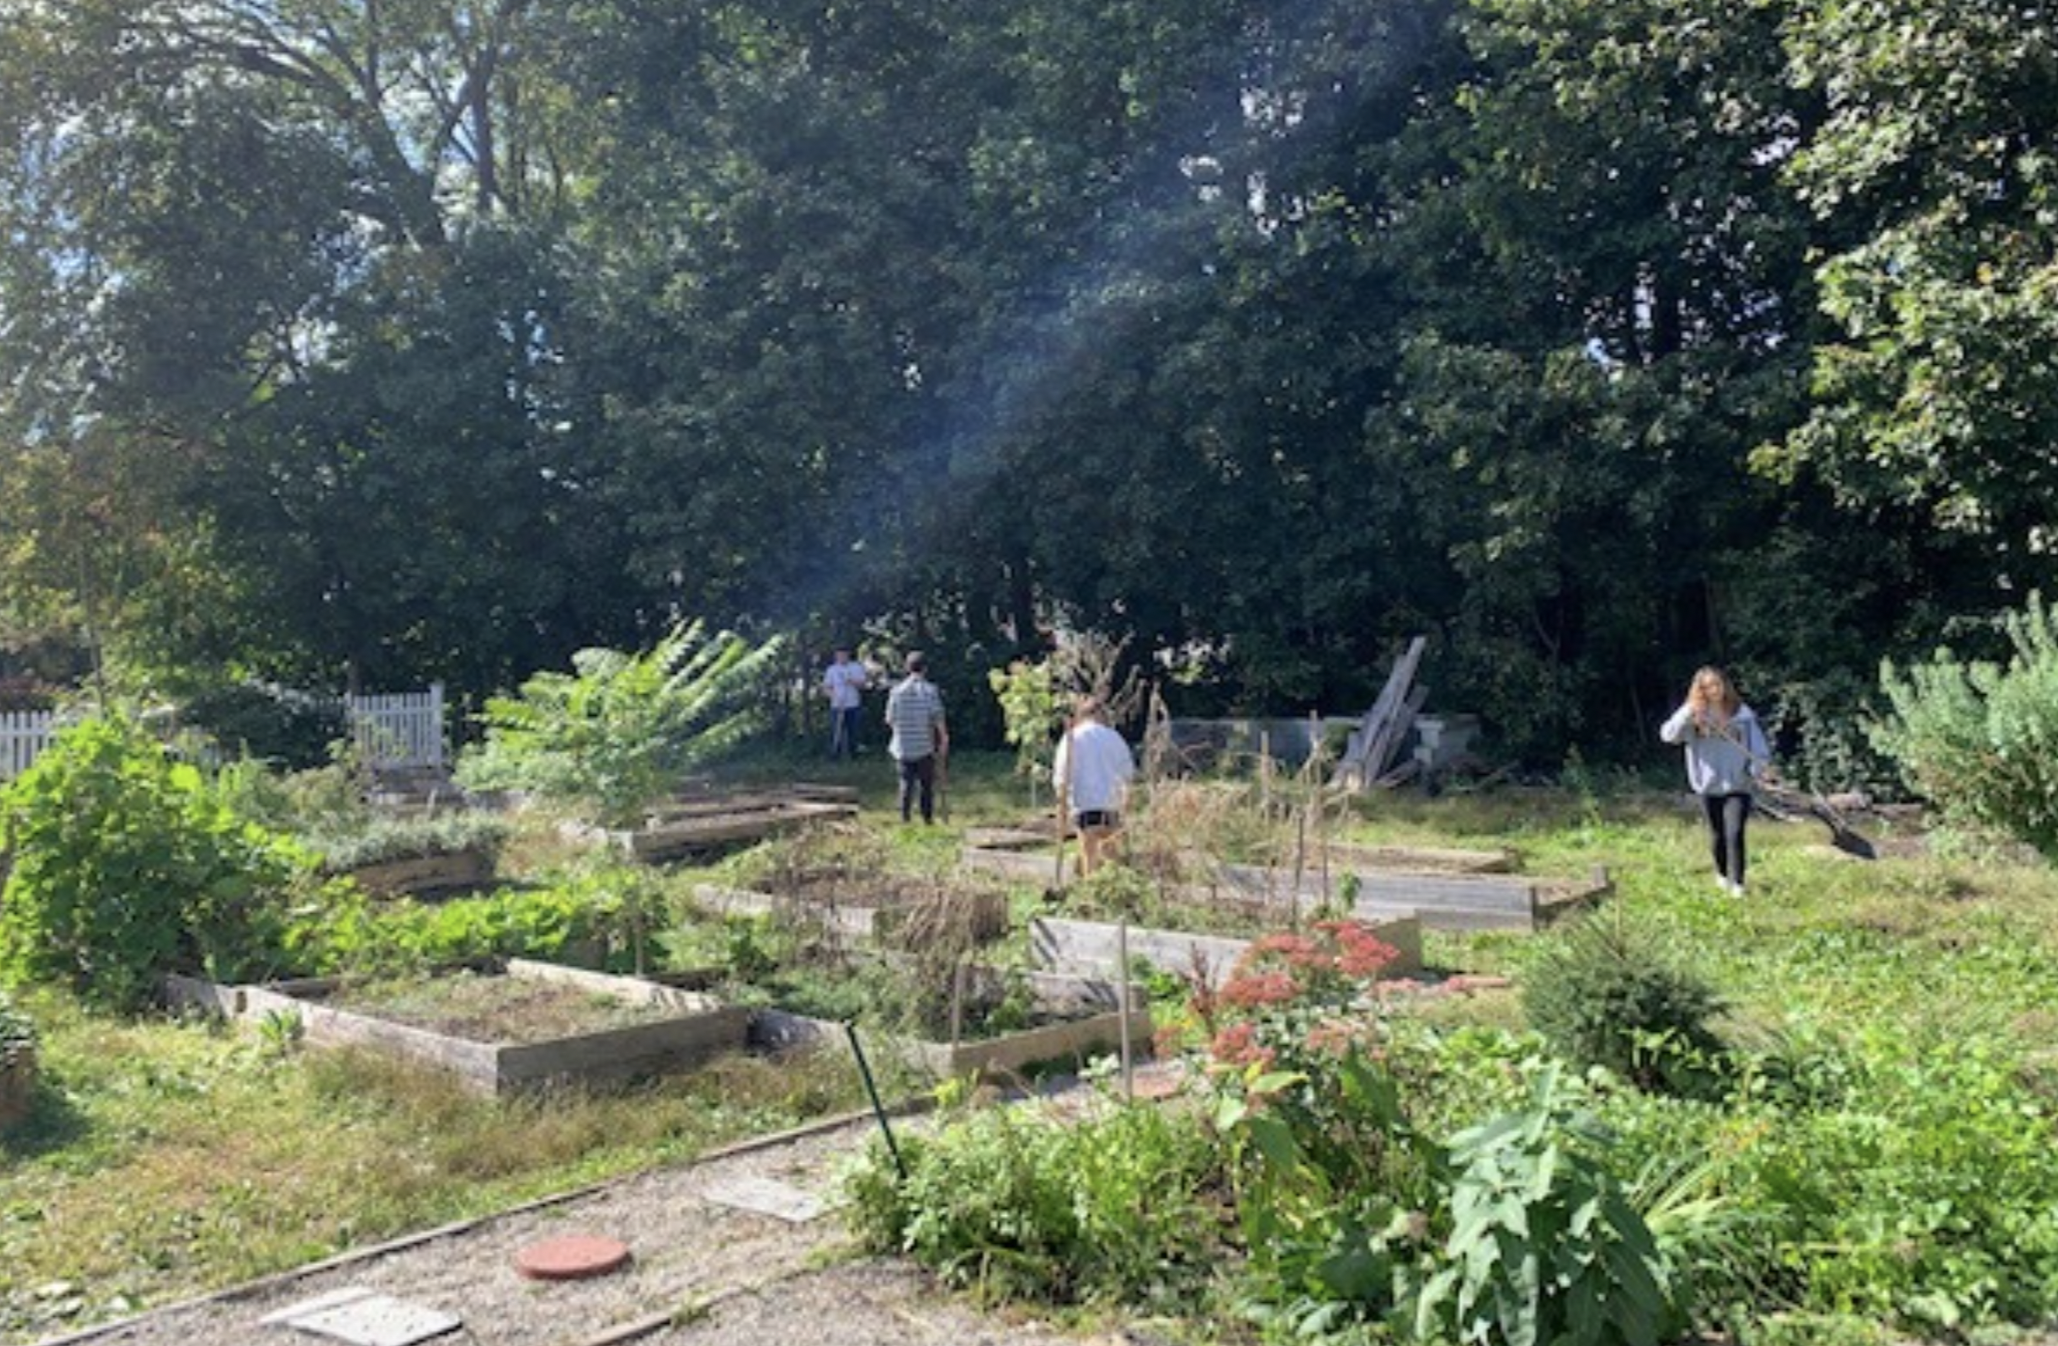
[23, 736]
[402, 731]
[395, 732]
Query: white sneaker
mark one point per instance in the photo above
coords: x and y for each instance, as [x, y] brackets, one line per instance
[1735, 889]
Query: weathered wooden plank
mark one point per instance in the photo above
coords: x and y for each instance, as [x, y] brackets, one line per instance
[1067, 944]
[1007, 1053]
[425, 873]
[1352, 771]
[856, 921]
[1419, 859]
[1016, 863]
[623, 1053]
[1444, 901]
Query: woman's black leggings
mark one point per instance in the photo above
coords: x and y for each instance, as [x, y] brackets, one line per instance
[1726, 817]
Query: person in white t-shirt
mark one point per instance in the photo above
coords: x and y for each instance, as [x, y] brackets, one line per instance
[844, 682]
[1092, 776]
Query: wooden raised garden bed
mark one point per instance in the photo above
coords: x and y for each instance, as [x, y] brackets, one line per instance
[1086, 1021]
[681, 828]
[1444, 901]
[1088, 948]
[861, 911]
[672, 1028]
[418, 875]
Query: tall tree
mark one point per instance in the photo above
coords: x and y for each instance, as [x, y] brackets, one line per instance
[1934, 180]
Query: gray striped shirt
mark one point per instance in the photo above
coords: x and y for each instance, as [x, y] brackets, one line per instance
[914, 711]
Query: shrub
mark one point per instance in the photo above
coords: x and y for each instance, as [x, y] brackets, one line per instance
[1109, 1208]
[1544, 1245]
[289, 729]
[573, 923]
[620, 730]
[1927, 1195]
[1980, 740]
[399, 838]
[125, 867]
[1605, 994]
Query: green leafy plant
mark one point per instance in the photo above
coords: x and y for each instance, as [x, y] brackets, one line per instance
[584, 920]
[620, 731]
[1544, 1247]
[284, 728]
[1604, 992]
[125, 867]
[1031, 715]
[398, 838]
[1331, 1179]
[1110, 1208]
[1980, 739]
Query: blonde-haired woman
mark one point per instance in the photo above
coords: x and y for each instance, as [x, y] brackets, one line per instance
[1726, 754]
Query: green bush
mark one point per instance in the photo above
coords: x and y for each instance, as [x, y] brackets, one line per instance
[325, 810]
[1544, 1245]
[1926, 1194]
[350, 934]
[125, 867]
[1604, 993]
[288, 729]
[1110, 1208]
[620, 731]
[1980, 740]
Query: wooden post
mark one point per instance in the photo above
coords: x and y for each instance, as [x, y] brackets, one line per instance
[1122, 1008]
[1265, 773]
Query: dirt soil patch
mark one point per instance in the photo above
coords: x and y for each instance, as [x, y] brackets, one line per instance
[702, 1271]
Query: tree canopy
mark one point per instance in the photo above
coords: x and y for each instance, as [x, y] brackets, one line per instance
[345, 341]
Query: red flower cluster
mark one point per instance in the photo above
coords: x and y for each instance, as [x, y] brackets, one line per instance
[1255, 990]
[1237, 1045]
[1345, 949]
[1337, 1037]
[1360, 954]
[1284, 980]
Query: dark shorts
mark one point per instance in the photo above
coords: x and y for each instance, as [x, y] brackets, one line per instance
[1097, 818]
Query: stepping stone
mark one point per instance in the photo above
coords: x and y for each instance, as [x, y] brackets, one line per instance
[766, 1196]
[365, 1318]
[572, 1257]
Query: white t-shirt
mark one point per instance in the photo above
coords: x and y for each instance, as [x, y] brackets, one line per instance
[845, 681]
[1100, 764]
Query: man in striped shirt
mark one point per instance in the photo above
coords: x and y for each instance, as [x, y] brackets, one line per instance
[914, 712]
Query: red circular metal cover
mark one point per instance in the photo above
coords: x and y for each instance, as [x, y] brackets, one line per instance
[572, 1257]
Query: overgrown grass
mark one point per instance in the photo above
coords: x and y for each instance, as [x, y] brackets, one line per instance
[165, 1158]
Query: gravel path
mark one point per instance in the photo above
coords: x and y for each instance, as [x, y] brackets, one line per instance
[702, 1272]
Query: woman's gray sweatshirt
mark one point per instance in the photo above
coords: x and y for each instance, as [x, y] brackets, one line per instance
[1723, 760]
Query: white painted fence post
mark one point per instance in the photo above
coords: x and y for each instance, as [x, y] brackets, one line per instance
[24, 734]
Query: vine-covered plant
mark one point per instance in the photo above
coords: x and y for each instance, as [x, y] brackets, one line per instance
[621, 729]
[126, 866]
